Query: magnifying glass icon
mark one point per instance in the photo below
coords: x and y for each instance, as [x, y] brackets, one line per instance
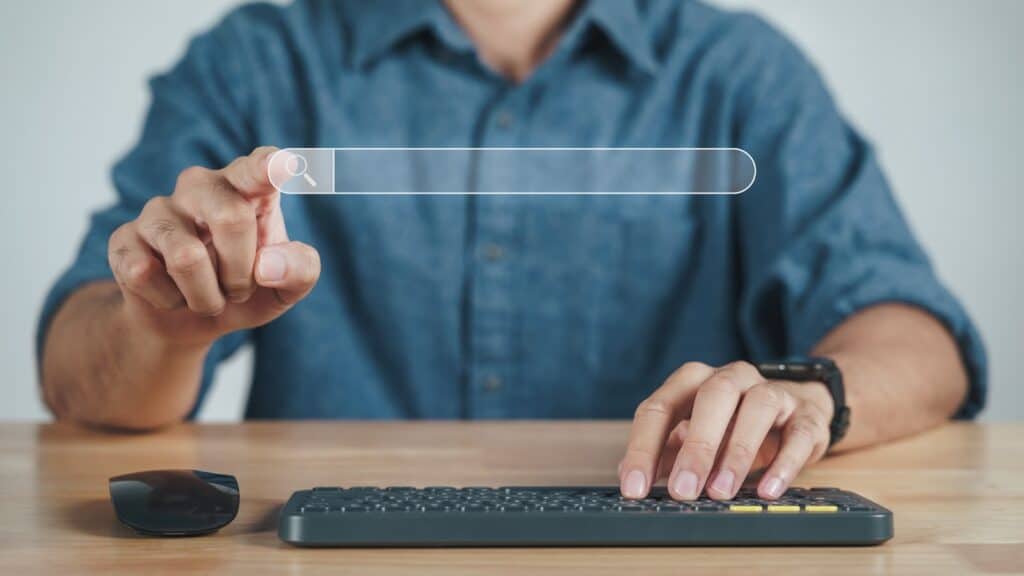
[296, 165]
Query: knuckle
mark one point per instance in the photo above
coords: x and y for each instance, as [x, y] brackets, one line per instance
[116, 257]
[221, 187]
[682, 430]
[705, 450]
[743, 369]
[138, 273]
[720, 384]
[653, 406]
[765, 397]
[693, 369]
[639, 454]
[118, 235]
[186, 259]
[807, 427]
[233, 217]
[117, 250]
[159, 228]
[154, 206]
[190, 177]
[240, 173]
[742, 450]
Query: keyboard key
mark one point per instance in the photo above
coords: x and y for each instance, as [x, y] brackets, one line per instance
[745, 508]
[821, 508]
[784, 508]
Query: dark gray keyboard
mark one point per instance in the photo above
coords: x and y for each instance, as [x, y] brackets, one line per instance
[574, 516]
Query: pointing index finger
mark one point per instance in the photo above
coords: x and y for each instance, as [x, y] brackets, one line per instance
[251, 175]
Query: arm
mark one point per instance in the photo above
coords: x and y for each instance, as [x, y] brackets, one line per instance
[100, 367]
[130, 354]
[708, 427]
[168, 278]
[894, 343]
[829, 268]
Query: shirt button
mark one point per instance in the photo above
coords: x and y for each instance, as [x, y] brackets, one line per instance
[504, 119]
[494, 252]
[493, 383]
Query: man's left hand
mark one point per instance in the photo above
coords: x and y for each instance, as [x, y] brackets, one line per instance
[707, 428]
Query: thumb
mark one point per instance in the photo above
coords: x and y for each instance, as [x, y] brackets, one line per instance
[290, 268]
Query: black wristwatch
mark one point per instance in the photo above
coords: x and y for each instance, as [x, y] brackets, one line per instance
[821, 370]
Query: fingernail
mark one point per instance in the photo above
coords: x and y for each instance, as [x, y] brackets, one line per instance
[685, 485]
[634, 485]
[723, 482]
[272, 265]
[773, 487]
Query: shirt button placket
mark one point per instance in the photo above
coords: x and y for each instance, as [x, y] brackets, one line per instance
[493, 298]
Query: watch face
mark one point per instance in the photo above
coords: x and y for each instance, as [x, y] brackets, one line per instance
[798, 371]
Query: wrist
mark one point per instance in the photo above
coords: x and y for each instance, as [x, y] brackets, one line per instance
[157, 337]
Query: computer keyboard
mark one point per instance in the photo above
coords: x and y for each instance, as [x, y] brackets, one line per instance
[575, 516]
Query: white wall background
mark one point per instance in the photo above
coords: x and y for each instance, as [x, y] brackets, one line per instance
[936, 84]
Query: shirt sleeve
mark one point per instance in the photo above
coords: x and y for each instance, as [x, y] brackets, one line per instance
[821, 235]
[196, 119]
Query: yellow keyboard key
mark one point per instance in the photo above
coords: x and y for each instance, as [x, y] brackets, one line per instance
[783, 508]
[745, 508]
[821, 508]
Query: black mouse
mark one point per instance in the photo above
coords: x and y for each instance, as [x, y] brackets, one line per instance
[174, 502]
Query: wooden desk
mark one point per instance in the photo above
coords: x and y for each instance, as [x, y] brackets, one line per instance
[957, 493]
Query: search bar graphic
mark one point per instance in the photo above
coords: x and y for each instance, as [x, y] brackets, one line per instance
[512, 171]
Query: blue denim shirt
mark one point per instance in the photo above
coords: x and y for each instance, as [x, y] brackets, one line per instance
[532, 306]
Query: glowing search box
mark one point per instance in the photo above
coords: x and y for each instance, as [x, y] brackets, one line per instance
[510, 171]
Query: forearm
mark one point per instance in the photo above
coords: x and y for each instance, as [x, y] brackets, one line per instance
[902, 370]
[101, 368]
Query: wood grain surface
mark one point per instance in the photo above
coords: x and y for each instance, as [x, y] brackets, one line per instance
[957, 494]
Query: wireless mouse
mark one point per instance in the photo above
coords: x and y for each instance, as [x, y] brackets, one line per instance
[174, 502]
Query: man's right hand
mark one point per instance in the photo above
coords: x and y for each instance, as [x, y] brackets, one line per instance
[214, 256]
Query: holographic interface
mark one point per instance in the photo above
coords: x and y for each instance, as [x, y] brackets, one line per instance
[530, 171]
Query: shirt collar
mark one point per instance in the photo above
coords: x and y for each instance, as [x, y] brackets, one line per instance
[621, 22]
[381, 24]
